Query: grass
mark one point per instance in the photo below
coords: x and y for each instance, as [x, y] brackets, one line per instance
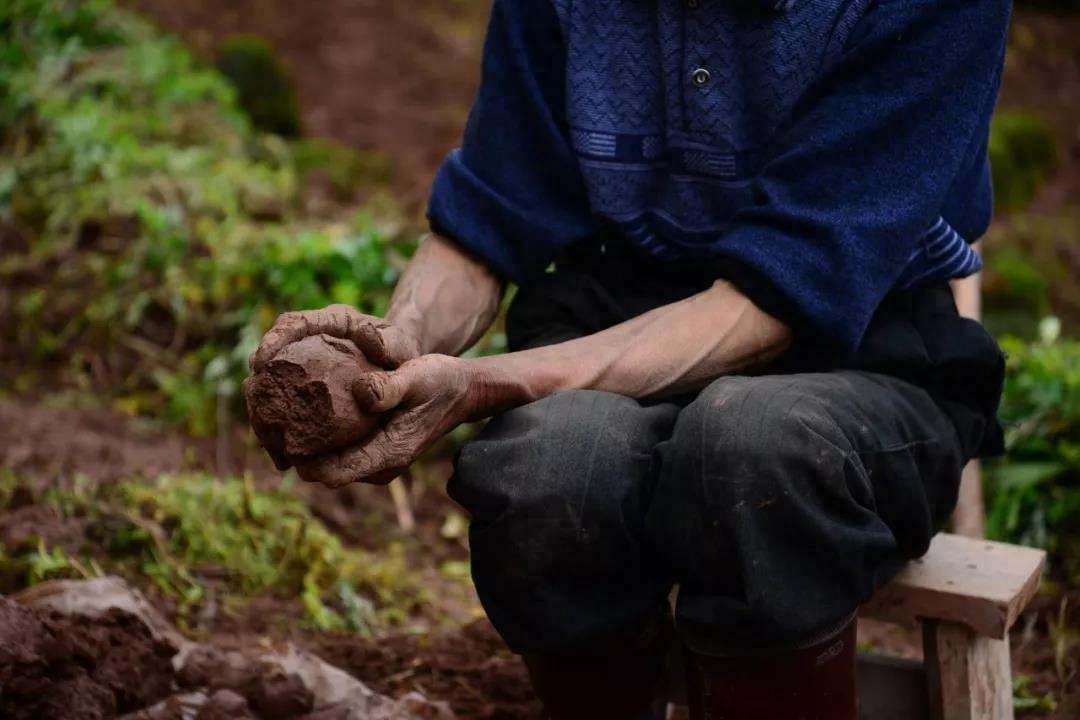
[193, 534]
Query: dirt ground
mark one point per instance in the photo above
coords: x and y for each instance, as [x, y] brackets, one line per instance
[59, 667]
[449, 653]
[470, 667]
[395, 78]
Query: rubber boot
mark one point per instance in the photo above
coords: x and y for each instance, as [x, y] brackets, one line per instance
[618, 679]
[815, 682]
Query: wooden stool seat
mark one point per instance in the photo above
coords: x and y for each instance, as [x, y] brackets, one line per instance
[967, 594]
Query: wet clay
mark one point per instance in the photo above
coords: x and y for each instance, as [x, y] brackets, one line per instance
[280, 696]
[301, 404]
[210, 667]
[60, 667]
[470, 668]
[268, 691]
[225, 705]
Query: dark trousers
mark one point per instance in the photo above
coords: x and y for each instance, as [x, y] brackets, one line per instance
[777, 502]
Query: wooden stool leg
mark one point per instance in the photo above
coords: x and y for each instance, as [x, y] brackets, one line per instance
[968, 676]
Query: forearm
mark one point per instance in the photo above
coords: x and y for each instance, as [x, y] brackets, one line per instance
[446, 297]
[675, 348]
[672, 349]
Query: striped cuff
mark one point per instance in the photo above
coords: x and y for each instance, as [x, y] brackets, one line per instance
[942, 254]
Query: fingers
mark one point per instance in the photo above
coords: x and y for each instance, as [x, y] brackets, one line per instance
[380, 392]
[380, 342]
[293, 326]
[378, 461]
[398, 347]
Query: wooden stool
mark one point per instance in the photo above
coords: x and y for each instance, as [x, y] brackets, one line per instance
[967, 594]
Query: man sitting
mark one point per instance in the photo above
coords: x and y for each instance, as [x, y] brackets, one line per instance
[735, 364]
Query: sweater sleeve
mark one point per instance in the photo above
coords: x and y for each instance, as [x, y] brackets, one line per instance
[862, 170]
[513, 193]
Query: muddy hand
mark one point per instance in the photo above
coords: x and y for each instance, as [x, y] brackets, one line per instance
[381, 342]
[426, 398]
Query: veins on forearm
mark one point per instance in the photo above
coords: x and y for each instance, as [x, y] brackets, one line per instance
[447, 298]
[673, 349]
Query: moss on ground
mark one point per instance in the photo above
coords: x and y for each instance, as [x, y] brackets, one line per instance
[192, 533]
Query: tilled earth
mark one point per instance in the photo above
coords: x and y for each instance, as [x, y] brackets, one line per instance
[64, 668]
[470, 668]
[394, 78]
[109, 666]
[59, 667]
[75, 667]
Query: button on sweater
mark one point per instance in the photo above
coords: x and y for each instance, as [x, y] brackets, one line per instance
[819, 154]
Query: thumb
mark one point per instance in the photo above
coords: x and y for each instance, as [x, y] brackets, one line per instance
[379, 392]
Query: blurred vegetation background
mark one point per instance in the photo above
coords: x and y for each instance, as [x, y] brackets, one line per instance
[162, 199]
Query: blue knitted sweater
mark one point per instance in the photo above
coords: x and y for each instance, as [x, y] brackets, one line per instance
[819, 154]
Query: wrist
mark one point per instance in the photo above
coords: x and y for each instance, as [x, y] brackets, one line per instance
[501, 382]
[489, 389]
[409, 325]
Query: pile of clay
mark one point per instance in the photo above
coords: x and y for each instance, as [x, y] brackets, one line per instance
[301, 404]
[60, 667]
[119, 659]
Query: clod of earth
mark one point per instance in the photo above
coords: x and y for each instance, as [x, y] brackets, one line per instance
[52, 666]
[279, 695]
[301, 404]
[225, 705]
[207, 666]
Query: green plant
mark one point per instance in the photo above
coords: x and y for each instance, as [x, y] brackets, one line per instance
[258, 541]
[1026, 700]
[1023, 152]
[1031, 271]
[1034, 492]
[158, 234]
[263, 86]
[1015, 293]
[189, 533]
[346, 169]
[1041, 406]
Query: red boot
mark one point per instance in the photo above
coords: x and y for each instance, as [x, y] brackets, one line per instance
[615, 680]
[816, 682]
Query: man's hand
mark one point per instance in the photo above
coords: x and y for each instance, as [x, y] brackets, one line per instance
[381, 342]
[426, 398]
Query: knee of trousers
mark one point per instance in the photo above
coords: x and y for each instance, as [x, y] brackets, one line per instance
[557, 492]
[760, 489]
[575, 456]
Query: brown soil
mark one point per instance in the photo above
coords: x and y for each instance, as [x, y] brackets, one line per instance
[301, 404]
[48, 447]
[56, 667]
[394, 78]
[1042, 72]
[225, 705]
[272, 695]
[54, 444]
[470, 668]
